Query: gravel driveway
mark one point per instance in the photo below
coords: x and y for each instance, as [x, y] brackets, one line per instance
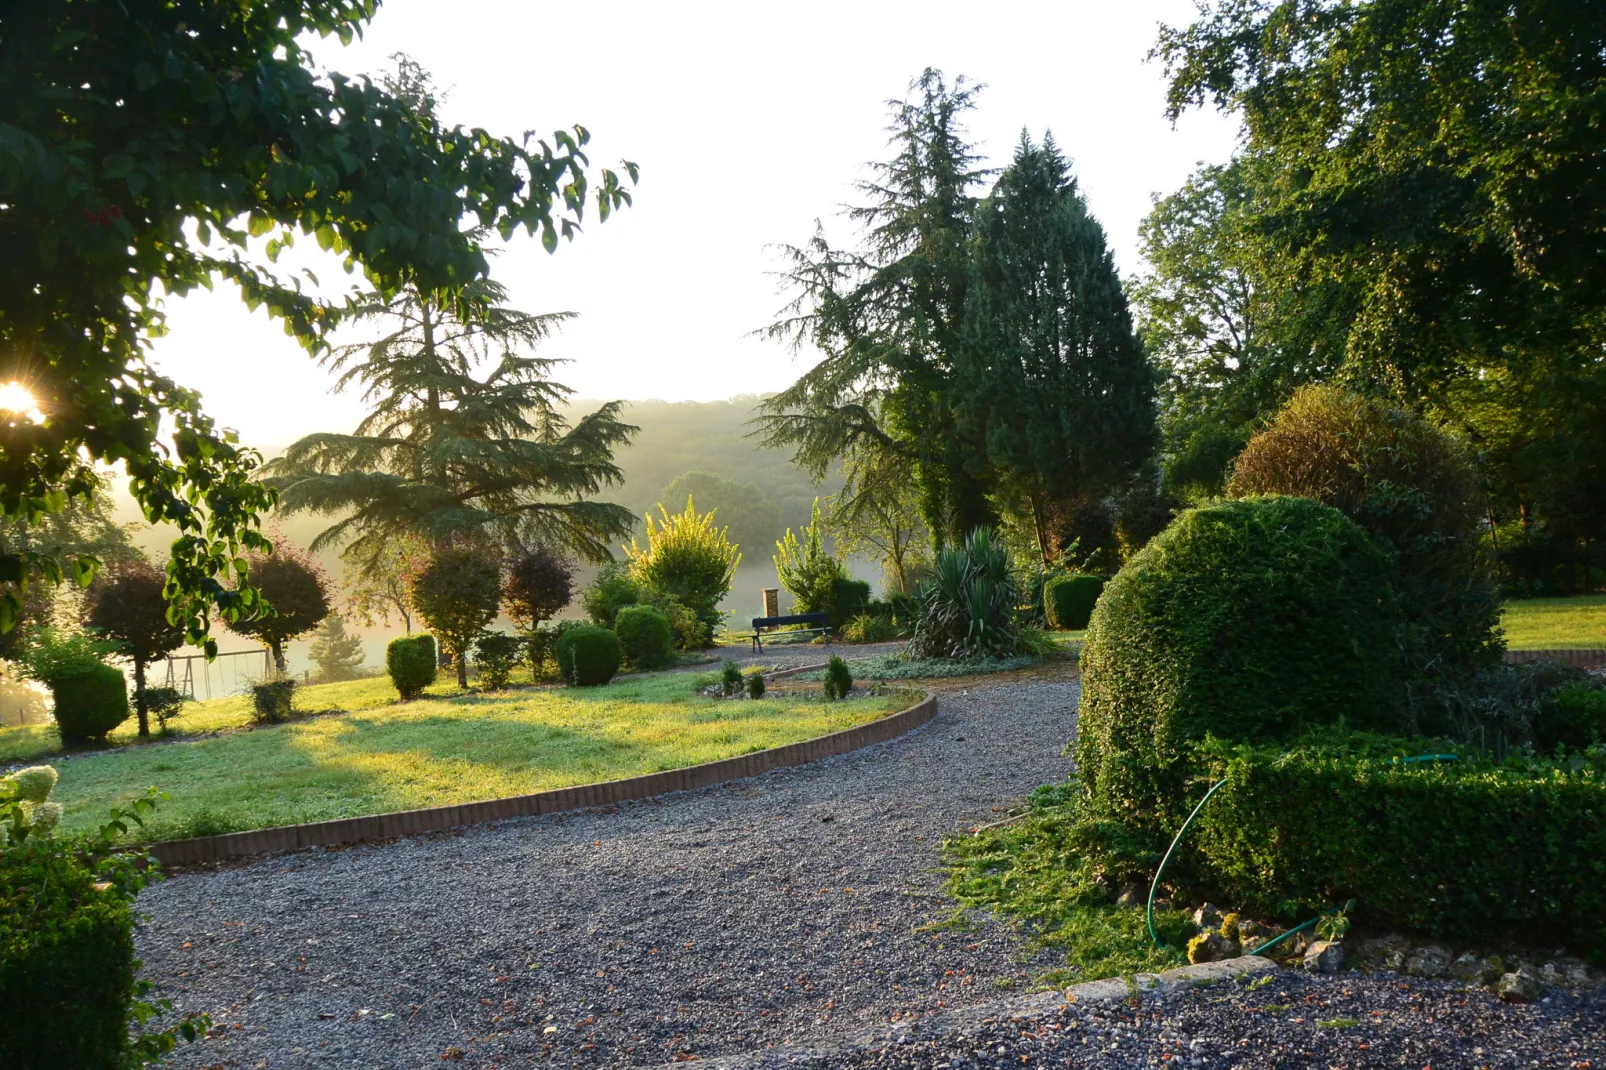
[780, 909]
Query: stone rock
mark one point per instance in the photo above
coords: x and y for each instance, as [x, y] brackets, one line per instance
[1470, 968]
[1324, 956]
[1131, 896]
[1387, 952]
[1520, 987]
[1212, 947]
[1207, 917]
[1429, 960]
[1574, 974]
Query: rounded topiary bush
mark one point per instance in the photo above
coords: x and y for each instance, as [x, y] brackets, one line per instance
[1068, 600]
[644, 636]
[588, 656]
[90, 701]
[1248, 620]
[412, 664]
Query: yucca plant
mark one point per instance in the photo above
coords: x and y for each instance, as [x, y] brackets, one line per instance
[967, 608]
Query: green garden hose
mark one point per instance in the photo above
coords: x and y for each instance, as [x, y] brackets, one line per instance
[1302, 926]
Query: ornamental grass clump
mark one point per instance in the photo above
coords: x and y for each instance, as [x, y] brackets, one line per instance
[967, 608]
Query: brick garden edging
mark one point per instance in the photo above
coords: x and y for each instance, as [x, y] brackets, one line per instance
[558, 800]
[1583, 659]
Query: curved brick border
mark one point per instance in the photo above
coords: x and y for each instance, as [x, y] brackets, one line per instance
[580, 797]
[1584, 658]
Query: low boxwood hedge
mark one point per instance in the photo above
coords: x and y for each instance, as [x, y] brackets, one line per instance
[588, 656]
[1068, 600]
[1453, 849]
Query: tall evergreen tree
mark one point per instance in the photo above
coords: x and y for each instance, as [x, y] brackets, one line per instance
[449, 450]
[1052, 380]
[889, 315]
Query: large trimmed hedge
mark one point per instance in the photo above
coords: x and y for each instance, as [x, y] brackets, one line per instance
[1458, 850]
[588, 656]
[67, 966]
[1068, 600]
[1250, 620]
[89, 702]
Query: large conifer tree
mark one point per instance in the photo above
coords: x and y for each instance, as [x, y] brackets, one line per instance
[889, 315]
[1052, 380]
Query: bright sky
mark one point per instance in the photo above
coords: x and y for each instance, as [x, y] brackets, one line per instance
[748, 121]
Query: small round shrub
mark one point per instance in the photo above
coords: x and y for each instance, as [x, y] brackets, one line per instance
[838, 679]
[644, 636]
[273, 701]
[588, 656]
[495, 654]
[755, 684]
[411, 662]
[1249, 620]
[91, 700]
[730, 676]
[1068, 600]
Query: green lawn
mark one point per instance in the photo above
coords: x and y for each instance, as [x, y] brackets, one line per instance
[1556, 623]
[385, 756]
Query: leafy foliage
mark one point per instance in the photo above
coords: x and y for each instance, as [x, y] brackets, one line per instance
[126, 605]
[297, 596]
[68, 977]
[967, 608]
[273, 701]
[806, 569]
[644, 637]
[165, 704]
[838, 679]
[588, 656]
[1251, 619]
[1052, 383]
[1458, 849]
[142, 148]
[751, 518]
[1068, 599]
[89, 702]
[457, 594]
[1411, 487]
[687, 558]
[878, 515]
[538, 585]
[337, 653]
[412, 664]
[495, 654]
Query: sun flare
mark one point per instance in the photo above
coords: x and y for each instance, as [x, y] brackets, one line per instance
[16, 398]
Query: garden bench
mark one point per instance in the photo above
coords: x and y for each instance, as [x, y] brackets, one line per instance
[816, 622]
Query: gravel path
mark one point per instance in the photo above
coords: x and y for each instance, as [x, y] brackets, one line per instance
[776, 910]
[1347, 1021]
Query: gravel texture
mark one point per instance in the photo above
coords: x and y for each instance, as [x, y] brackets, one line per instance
[782, 909]
[1294, 1020]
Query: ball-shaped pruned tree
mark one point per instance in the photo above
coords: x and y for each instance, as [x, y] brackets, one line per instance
[688, 558]
[538, 584]
[1413, 488]
[126, 604]
[457, 593]
[297, 596]
[1249, 619]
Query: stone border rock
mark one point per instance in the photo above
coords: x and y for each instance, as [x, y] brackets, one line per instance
[1583, 657]
[583, 796]
[1037, 1004]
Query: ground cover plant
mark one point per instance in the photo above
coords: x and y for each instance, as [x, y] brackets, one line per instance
[382, 755]
[1555, 623]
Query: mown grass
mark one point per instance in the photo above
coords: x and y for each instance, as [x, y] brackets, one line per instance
[1033, 874]
[384, 756]
[1555, 623]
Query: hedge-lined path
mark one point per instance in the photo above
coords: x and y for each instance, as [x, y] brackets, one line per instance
[784, 908]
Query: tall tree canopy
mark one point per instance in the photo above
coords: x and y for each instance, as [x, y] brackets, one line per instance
[464, 437]
[141, 147]
[889, 315]
[1052, 381]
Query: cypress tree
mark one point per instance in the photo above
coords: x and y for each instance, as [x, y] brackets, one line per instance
[1052, 379]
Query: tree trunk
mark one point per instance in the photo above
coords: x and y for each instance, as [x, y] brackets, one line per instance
[140, 706]
[277, 646]
[461, 657]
